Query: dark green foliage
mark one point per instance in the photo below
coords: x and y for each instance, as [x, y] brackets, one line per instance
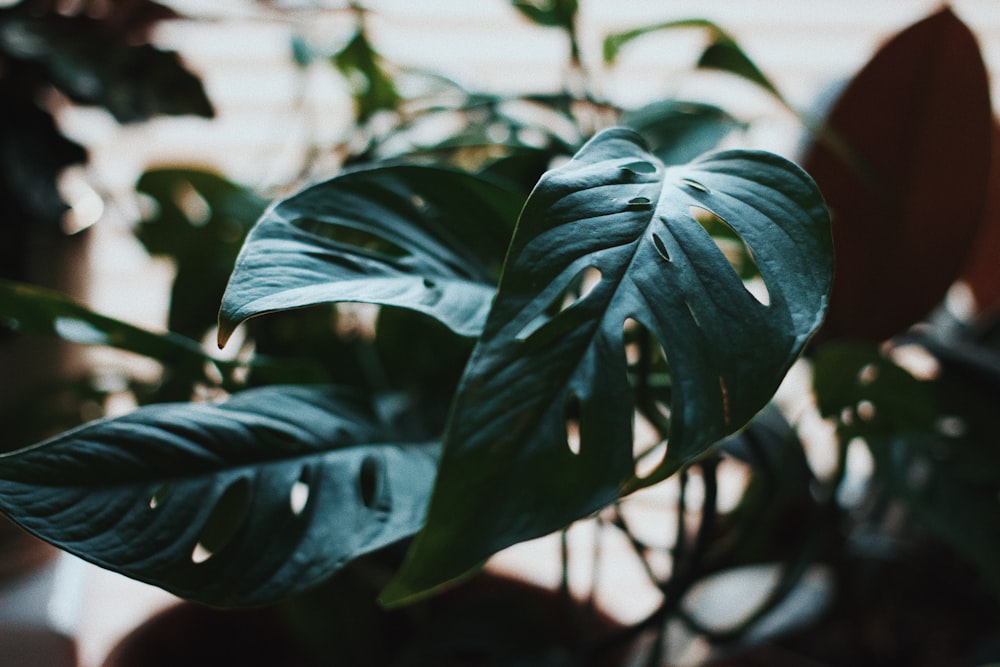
[32, 155]
[616, 210]
[646, 241]
[526, 288]
[97, 54]
[180, 495]
[914, 204]
[423, 238]
[371, 86]
[101, 57]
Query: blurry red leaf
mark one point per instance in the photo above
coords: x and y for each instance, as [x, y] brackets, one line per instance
[918, 118]
[982, 274]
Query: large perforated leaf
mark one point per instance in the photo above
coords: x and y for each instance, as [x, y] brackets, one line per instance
[232, 504]
[424, 238]
[507, 473]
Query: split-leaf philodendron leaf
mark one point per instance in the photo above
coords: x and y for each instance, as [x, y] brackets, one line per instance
[239, 503]
[507, 473]
[424, 238]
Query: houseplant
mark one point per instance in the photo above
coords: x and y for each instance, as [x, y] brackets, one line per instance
[509, 407]
[408, 236]
[50, 58]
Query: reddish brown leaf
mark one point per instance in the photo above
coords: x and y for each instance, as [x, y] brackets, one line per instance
[982, 274]
[918, 118]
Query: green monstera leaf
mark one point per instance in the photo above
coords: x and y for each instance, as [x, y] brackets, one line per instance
[239, 503]
[424, 238]
[507, 473]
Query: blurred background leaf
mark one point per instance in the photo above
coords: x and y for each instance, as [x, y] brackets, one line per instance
[919, 118]
[371, 86]
[199, 220]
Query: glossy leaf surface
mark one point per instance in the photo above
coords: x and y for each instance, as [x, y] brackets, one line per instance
[918, 117]
[423, 238]
[232, 504]
[507, 473]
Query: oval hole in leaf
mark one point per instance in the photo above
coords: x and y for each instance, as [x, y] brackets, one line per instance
[653, 390]
[200, 554]
[649, 377]
[691, 183]
[736, 251]
[635, 335]
[573, 424]
[298, 496]
[432, 293]
[349, 235]
[226, 518]
[156, 500]
[661, 247]
[640, 167]
[577, 289]
[370, 481]
[630, 336]
[589, 279]
[639, 204]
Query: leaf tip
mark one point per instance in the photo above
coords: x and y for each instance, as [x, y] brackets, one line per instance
[609, 49]
[226, 329]
[421, 577]
[404, 589]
